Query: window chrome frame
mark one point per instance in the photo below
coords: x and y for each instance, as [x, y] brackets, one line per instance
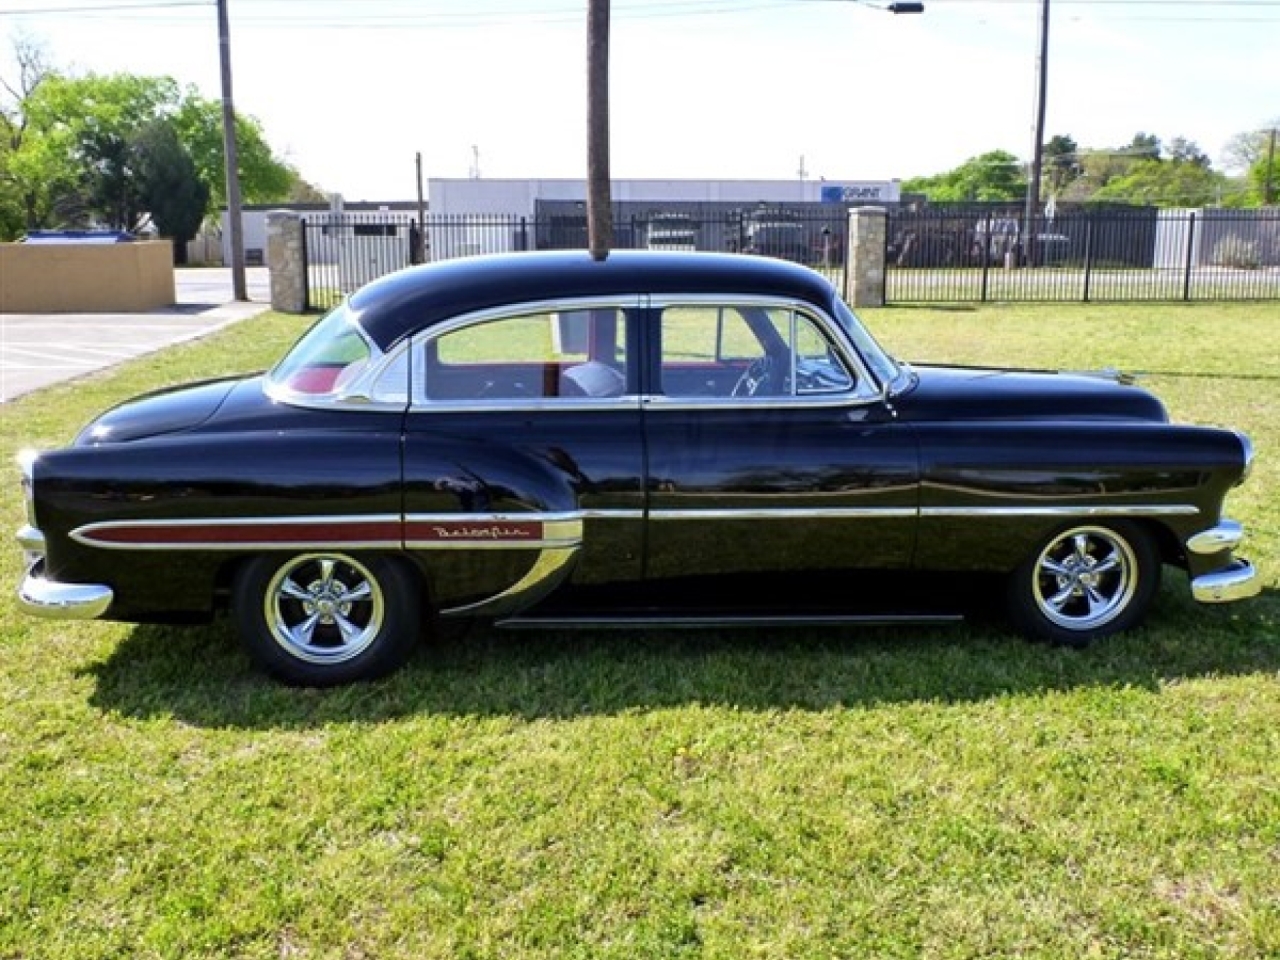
[420, 402]
[365, 394]
[866, 388]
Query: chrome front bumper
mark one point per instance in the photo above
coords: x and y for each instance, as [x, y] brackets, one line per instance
[1236, 581]
[49, 599]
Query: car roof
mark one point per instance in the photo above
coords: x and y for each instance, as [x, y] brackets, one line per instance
[407, 301]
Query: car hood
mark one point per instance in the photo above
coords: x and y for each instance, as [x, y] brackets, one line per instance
[165, 411]
[965, 393]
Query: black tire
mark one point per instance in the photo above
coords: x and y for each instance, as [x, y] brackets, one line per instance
[326, 618]
[1084, 582]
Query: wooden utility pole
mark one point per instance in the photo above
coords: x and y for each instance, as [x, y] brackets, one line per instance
[599, 195]
[231, 157]
[1037, 142]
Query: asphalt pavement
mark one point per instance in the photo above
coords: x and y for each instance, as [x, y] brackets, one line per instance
[39, 349]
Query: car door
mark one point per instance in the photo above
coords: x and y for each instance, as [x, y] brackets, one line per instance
[770, 450]
[523, 464]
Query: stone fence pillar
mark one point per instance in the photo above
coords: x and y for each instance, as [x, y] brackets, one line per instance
[864, 266]
[286, 262]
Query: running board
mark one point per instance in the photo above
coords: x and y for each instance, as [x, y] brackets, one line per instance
[703, 622]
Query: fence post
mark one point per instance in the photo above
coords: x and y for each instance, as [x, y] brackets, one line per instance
[287, 261]
[1191, 249]
[986, 263]
[306, 264]
[1088, 256]
[524, 235]
[864, 275]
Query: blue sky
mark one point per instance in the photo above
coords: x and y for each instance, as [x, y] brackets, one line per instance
[349, 90]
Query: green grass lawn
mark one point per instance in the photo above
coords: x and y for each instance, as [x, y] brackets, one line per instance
[912, 792]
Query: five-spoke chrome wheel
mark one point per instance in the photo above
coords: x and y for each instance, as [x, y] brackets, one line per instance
[1085, 577]
[317, 619]
[1085, 582]
[324, 608]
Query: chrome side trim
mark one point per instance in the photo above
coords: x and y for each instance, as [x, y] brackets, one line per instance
[368, 532]
[628, 401]
[424, 531]
[850, 399]
[1225, 536]
[637, 514]
[494, 532]
[783, 513]
[51, 600]
[863, 513]
[548, 572]
[1116, 510]
[1236, 582]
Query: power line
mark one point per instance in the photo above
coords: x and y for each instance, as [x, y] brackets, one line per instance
[386, 14]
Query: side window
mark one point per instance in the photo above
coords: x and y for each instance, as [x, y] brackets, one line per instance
[716, 351]
[818, 368]
[544, 355]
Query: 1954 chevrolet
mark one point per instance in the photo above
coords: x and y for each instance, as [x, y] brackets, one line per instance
[658, 438]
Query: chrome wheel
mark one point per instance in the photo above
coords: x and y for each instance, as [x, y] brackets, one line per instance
[1085, 582]
[323, 608]
[1085, 578]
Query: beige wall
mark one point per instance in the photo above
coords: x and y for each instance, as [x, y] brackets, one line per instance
[86, 278]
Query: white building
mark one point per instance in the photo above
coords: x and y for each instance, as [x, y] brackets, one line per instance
[482, 196]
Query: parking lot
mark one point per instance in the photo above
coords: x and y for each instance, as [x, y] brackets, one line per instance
[37, 350]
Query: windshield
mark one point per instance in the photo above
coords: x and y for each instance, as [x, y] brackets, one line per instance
[327, 358]
[883, 367]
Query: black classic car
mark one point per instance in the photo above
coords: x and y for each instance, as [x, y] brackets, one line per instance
[656, 439]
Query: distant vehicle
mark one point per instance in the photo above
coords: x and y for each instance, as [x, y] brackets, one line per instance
[671, 231]
[998, 237]
[776, 233]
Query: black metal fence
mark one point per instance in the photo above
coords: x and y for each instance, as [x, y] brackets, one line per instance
[930, 256]
[345, 251]
[1151, 254]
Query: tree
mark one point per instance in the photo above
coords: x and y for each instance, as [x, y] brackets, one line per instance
[1143, 146]
[1182, 150]
[69, 147]
[1166, 183]
[264, 177]
[996, 175]
[75, 158]
[170, 187]
[20, 197]
[1257, 154]
[1061, 163]
[302, 191]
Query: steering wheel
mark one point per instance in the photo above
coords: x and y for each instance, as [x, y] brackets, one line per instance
[757, 374]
